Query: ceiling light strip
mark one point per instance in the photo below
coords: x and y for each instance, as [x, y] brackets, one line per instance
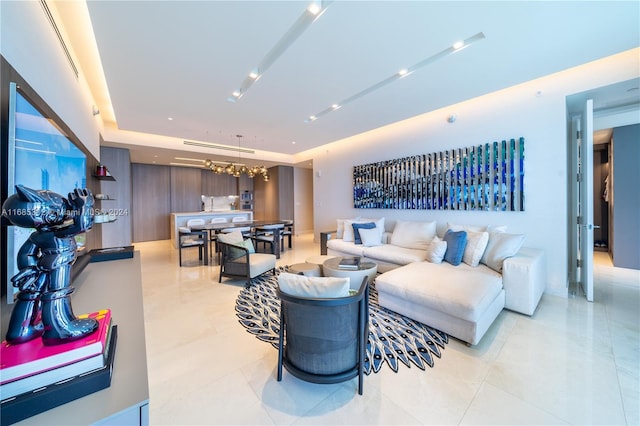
[456, 47]
[200, 166]
[223, 147]
[304, 21]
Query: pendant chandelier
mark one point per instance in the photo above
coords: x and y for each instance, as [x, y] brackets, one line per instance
[237, 169]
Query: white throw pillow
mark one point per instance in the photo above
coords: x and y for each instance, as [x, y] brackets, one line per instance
[476, 245]
[414, 235]
[370, 237]
[320, 287]
[501, 246]
[473, 228]
[230, 237]
[379, 224]
[436, 250]
[348, 235]
[496, 228]
[340, 226]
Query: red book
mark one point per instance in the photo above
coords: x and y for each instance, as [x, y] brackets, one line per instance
[33, 357]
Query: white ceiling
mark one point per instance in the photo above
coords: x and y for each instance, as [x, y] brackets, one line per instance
[183, 59]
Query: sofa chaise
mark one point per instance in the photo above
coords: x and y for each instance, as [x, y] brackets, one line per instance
[461, 299]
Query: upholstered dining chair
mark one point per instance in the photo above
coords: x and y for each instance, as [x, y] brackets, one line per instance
[195, 222]
[238, 258]
[213, 235]
[271, 235]
[323, 333]
[189, 239]
[287, 232]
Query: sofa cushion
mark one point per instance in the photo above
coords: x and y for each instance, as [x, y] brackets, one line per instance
[456, 243]
[501, 246]
[414, 235]
[436, 250]
[358, 226]
[321, 287]
[476, 244]
[394, 254]
[460, 291]
[343, 246]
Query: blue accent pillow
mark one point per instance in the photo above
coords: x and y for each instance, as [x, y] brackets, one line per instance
[456, 243]
[356, 230]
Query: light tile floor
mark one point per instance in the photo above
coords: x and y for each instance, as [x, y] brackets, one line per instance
[572, 362]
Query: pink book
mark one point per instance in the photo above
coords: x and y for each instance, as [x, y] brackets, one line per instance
[26, 359]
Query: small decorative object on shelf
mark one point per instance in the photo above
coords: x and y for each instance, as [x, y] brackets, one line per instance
[102, 173]
[101, 170]
[349, 263]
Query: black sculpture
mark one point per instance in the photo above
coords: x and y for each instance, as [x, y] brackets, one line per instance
[43, 306]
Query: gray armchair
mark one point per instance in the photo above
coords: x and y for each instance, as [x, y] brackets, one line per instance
[239, 262]
[323, 340]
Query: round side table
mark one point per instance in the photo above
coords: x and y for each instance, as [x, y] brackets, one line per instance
[319, 260]
[331, 268]
[308, 269]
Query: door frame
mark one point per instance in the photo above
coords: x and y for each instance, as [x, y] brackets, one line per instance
[581, 202]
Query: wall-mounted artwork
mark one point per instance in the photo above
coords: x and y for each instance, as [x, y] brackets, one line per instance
[482, 177]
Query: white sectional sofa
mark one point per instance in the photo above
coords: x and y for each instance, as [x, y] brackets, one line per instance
[461, 300]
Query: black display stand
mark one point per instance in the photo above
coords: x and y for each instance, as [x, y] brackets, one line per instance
[111, 253]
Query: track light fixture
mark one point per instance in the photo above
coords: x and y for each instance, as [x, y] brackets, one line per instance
[313, 11]
[405, 72]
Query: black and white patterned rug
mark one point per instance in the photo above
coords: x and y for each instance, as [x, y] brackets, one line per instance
[394, 339]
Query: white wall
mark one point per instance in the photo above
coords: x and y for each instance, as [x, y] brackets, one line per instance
[511, 113]
[30, 45]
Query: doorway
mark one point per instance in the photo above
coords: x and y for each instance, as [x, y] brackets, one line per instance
[614, 106]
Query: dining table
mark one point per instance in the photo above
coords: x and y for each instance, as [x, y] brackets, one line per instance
[215, 228]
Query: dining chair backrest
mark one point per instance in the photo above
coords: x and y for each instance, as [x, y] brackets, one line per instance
[273, 226]
[195, 222]
[219, 220]
[239, 219]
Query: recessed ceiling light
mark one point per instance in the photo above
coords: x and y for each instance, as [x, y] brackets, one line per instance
[335, 106]
[403, 72]
[254, 74]
[170, 118]
[293, 142]
[314, 8]
[458, 45]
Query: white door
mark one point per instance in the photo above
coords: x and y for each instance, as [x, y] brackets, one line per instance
[585, 200]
